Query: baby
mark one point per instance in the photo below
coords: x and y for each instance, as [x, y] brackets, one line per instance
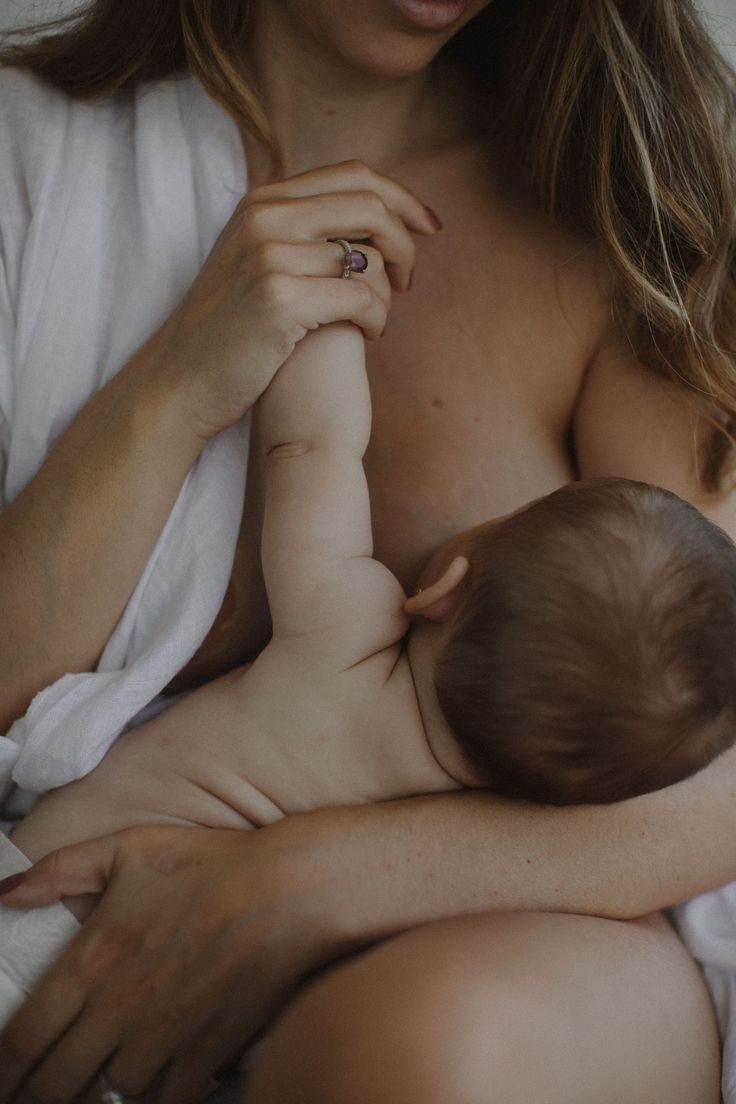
[589, 656]
[578, 650]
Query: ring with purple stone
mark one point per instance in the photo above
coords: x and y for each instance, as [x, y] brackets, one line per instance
[353, 260]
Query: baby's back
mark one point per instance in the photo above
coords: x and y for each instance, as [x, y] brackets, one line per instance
[289, 733]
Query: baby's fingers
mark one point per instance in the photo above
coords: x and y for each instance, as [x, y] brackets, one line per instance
[354, 301]
[319, 301]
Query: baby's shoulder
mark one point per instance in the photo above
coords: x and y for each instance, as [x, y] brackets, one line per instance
[378, 695]
[361, 618]
[324, 692]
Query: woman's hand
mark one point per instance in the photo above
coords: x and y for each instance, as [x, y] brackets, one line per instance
[199, 939]
[273, 275]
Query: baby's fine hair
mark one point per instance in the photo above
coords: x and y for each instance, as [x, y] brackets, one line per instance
[594, 652]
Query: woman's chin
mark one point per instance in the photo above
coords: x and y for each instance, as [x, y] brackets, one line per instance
[384, 39]
[392, 57]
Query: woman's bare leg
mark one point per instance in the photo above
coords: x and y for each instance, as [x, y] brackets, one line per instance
[501, 1009]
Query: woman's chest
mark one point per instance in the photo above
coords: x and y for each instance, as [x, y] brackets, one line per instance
[473, 387]
[474, 383]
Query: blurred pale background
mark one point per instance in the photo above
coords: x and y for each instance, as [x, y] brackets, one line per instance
[722, 14]
[723, 20]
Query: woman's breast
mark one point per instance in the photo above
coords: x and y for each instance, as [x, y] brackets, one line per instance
[444, 457]
[446, 453]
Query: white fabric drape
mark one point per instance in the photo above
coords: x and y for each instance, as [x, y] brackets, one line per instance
[107, 212]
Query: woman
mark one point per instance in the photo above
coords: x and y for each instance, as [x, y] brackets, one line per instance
[593, 343]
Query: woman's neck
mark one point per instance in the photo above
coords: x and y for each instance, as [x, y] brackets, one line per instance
[323, 111]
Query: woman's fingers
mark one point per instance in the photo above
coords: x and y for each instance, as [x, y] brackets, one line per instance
[242, 317]
[254, 993]
[355, 176]
[66, 1074]
[303, 305]
[354, 216]
[31, 1031]
[93, 1040]
[174, 1024]
[72, 872]
[218, 1047]
[323, 259]
[70, 1021]
[195, 1043]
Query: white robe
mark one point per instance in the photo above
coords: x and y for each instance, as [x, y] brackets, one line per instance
[107, 212]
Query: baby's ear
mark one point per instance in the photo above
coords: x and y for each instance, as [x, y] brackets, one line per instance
[438, 601]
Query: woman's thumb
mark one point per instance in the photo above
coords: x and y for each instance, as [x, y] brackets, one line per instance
[71, 872]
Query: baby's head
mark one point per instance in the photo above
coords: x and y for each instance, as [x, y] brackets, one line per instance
[590, 654]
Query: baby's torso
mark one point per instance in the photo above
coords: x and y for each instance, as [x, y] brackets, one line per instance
[284, 735]
[287, 734]
[311, 736]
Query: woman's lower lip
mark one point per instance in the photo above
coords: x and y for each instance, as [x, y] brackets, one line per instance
[431, 14]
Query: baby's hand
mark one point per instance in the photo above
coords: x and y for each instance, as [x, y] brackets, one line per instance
[274, 275]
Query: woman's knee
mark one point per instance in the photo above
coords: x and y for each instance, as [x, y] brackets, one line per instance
[500, 1009]
[379, 1028]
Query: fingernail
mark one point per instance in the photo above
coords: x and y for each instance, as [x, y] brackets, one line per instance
[433, 218]
[7, 885]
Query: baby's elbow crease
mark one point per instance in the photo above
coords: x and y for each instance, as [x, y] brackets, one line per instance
[286, 450]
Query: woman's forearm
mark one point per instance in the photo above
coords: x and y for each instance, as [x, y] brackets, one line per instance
[360, 873]
[75, 540]
[410, 862]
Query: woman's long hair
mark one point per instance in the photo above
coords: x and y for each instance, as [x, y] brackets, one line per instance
[621, 116]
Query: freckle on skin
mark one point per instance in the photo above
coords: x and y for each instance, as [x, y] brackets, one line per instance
[437, 403]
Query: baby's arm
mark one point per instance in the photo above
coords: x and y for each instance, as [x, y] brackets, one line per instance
[314, 425]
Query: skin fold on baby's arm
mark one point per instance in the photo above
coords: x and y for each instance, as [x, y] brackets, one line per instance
[314, 425]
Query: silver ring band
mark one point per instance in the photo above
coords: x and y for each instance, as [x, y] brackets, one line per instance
[109, 1095]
